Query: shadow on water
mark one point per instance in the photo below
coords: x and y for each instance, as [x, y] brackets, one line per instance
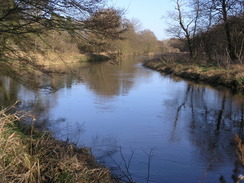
[143, 125]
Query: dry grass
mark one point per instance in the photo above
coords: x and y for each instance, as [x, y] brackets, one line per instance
[52, 58]
[239, 149]
[231, 76]
[27, 155]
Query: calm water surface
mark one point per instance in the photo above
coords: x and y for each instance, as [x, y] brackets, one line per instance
[175, 130]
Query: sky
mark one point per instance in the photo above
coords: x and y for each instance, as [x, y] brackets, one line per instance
[149, 12]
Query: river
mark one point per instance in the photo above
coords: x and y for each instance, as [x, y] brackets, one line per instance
[142, 124]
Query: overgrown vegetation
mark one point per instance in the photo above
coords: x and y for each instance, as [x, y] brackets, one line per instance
[213, 28]
[27, 155]
[231, 76]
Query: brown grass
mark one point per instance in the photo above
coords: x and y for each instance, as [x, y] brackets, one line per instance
[52, 58]
[231, 76]
[239, 149]
[27, 155]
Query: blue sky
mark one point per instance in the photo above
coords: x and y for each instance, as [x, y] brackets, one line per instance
[148, 12]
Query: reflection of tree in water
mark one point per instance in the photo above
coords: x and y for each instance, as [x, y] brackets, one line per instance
[8, 91]
[212, 122]
[101, 79]
[107, 80]
[39, 105]
[104, 147]
[104, 78]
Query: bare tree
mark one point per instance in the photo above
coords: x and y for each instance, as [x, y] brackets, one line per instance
[187, 22]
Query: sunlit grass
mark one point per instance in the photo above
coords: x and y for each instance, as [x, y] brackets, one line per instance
[231, 76]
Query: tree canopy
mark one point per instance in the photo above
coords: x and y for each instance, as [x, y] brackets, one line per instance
[21, 19]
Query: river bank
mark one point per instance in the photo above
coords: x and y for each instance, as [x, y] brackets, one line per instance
[52, 58]
[28, 155]
[231, 77]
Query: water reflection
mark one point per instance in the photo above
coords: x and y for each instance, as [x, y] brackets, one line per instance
[211, 120]
[105, 79]
[8, 91]
[104, 147]
[125, 109]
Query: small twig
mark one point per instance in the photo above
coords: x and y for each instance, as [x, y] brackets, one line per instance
[149, 156]
[121, 170]
[125, 172]
[127, 164]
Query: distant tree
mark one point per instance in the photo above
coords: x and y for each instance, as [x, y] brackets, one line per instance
[176, 43]
[149, 41]
[137, 41]
[186, 19]
[131, 42]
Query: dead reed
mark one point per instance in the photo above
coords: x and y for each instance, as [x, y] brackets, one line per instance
[239, 149]
[27, 155]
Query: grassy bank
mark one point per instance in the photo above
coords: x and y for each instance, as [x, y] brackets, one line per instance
[52, 58]
[231, 76]
[27, 155]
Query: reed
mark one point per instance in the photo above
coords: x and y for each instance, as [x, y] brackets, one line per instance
[27, 155]
[239, 149]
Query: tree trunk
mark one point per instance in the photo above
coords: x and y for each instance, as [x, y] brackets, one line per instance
[230, 46]
[189, 43]
[185, 29]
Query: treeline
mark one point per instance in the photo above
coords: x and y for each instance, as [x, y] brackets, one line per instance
[210, 30]
[69, 26]
[59, 25]
[139, 41]
[129, 42]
